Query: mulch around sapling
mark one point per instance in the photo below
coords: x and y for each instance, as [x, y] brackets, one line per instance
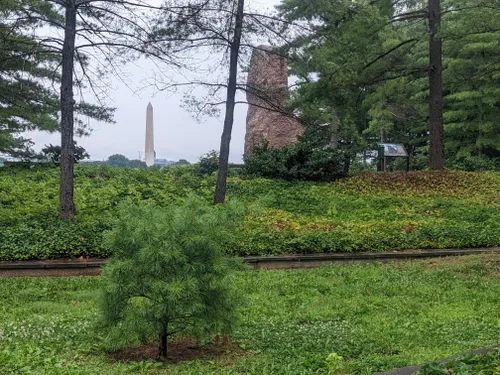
[180, 350]
[52, 272]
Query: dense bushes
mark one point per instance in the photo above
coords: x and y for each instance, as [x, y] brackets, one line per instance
[476, 163]
[53, 239]
[369, 211]
[296, 162]
[29, 228]
[209, 163]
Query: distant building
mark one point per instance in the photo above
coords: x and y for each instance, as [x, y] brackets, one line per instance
[163, 162]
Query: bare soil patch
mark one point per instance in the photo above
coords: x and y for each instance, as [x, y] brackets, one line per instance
[53, 272]
[180, 350]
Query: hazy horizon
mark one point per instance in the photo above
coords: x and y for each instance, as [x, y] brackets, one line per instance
[177, 134]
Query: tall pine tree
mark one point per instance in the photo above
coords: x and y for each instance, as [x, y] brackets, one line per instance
[472, 79]
[26, 70]
[369, 63]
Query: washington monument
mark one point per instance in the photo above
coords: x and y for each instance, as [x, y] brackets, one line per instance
[150, 137]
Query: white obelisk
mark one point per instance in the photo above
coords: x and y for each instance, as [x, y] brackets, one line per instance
[150, 138]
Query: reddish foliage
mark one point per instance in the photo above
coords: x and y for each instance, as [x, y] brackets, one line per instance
[421, 182]
[282, 224]
[320, 227]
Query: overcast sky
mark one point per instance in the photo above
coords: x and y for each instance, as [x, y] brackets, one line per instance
[177, 134]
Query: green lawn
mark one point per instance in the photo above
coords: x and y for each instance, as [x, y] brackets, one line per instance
[377, 316]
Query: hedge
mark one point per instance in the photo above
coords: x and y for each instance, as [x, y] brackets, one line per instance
[366, 212]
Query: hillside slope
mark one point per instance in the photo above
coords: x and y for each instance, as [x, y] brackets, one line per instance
[366, 212]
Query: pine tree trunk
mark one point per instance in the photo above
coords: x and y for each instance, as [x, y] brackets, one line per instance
[163, 343]
[220, 190]
[347, 163]
[436, 127]
[334, 141]
[66, 203]
[383, 139]
[383, 136]
[334, 138]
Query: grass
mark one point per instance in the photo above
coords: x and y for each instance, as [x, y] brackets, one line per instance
[376, 316]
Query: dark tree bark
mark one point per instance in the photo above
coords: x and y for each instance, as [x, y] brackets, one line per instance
[383, 135]
[347, 164]
[334, 138]
[220, 190]
[162, 347]
[436, 127]
[66, 202]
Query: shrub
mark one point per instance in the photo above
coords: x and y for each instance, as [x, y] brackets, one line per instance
[297, 162]
[418, 162]
[168, 273]
[475, 163]
[358, 166]
[52, 238]
[209, 163]
[52, 153]
[472, 364]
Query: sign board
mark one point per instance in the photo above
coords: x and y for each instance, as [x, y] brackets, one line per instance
[394, 150]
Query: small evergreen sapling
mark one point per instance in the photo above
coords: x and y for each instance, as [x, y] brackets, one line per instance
[169, 273]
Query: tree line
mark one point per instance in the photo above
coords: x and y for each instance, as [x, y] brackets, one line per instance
[423, 73]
